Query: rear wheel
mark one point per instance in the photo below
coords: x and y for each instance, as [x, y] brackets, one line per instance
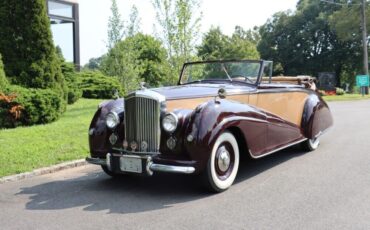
[311, 144]
[223, 163]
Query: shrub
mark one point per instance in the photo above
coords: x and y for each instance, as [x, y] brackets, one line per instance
[27, 47]
[21, 106]
[97, 85]
[74, 92]
[339, 91]
[3, 80]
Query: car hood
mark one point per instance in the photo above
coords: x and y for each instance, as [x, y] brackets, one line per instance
[200, 90]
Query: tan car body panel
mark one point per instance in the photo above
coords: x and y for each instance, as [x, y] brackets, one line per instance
[287, 105]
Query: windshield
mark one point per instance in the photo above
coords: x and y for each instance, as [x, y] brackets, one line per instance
[229, 70]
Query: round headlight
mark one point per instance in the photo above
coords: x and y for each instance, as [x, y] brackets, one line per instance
[112, 120]
[169, 122]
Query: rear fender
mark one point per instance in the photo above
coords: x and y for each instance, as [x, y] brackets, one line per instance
[316, 118]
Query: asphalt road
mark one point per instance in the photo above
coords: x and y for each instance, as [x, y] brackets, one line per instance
[325, 189]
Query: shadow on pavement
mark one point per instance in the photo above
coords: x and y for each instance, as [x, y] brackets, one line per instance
[129, 194]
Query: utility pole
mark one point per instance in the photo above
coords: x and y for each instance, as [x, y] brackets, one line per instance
[364, 41]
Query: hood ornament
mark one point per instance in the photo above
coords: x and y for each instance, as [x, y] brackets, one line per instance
[115, 94]
[142, 85]
[220, 94]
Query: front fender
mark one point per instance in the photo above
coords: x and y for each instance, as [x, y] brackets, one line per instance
[211, 119]
[98, 131]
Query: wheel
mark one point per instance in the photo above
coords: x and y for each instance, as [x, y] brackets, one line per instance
[108, 172]
[223, 163]
[311, 144]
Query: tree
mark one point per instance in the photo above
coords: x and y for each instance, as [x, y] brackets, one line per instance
[115, 26]
[94, 63]
[3, 80]
[137, 58]
[134, 22]
[216, 45]
[304, 43]
[179, 23]
[27, 47]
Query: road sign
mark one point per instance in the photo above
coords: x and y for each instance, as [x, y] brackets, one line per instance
[362, 80]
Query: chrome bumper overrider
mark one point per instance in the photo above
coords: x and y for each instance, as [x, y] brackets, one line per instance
[150, 166]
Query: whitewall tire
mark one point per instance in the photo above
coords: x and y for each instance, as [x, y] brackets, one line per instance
[223, 163]
[311, 144]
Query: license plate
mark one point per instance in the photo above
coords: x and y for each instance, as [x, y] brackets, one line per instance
[131, 164]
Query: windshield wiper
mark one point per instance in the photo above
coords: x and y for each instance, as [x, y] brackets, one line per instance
[227, 74]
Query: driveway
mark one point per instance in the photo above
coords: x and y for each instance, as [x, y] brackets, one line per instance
[325, 189]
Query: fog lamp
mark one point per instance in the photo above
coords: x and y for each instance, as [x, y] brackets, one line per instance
[144, 146]
[113, 138]
[171, 143]
[133, 145]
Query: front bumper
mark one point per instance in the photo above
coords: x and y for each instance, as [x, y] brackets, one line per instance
[112, 162]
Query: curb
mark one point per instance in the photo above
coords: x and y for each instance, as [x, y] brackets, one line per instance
[42, 171]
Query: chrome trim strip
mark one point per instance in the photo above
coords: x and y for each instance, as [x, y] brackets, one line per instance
[148, 94]
[238, 118]
[171, 168]
[278, 149]
[96, 161]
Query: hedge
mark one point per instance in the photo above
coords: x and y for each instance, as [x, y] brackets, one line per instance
[22, 106]
[94, 84]
[74, 92]
[3, 80]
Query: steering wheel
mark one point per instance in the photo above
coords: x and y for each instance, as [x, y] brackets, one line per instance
[240, 77]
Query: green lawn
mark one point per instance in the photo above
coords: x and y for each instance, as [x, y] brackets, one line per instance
[26, 148]
[346, 97]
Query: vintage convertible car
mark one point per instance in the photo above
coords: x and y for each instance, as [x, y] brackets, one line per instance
[218, 111]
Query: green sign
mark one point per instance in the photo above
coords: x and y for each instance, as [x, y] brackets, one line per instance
[362, 80]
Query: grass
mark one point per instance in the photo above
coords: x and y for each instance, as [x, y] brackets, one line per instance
[26, 148]
[346, 97]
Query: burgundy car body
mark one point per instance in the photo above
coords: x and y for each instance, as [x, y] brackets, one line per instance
[264, 118]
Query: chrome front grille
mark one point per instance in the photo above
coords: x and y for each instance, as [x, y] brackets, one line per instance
[142, 122]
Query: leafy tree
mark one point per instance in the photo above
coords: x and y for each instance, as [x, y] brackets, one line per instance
[304, 43]
[179, 23]
[94, 63]
[137, 58]
[216, 45]
[251, 35]
[115, 26]
[134, 22]
[27, 47]
[3, 80]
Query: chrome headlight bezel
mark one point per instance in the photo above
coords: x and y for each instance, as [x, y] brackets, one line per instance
[170, 122]
[112, 120]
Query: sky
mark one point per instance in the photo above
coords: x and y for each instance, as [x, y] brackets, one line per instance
[226, 14]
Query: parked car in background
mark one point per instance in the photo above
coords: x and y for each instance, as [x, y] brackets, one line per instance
[219, 111]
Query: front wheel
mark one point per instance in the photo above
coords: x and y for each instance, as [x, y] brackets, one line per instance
[109, 172]
[223, 163]
[311, 144]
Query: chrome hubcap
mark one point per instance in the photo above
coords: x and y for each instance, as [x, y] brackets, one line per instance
[314, 142]
[223, 160]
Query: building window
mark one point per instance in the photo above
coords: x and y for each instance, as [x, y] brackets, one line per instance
[60, 9]
[64, 20]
